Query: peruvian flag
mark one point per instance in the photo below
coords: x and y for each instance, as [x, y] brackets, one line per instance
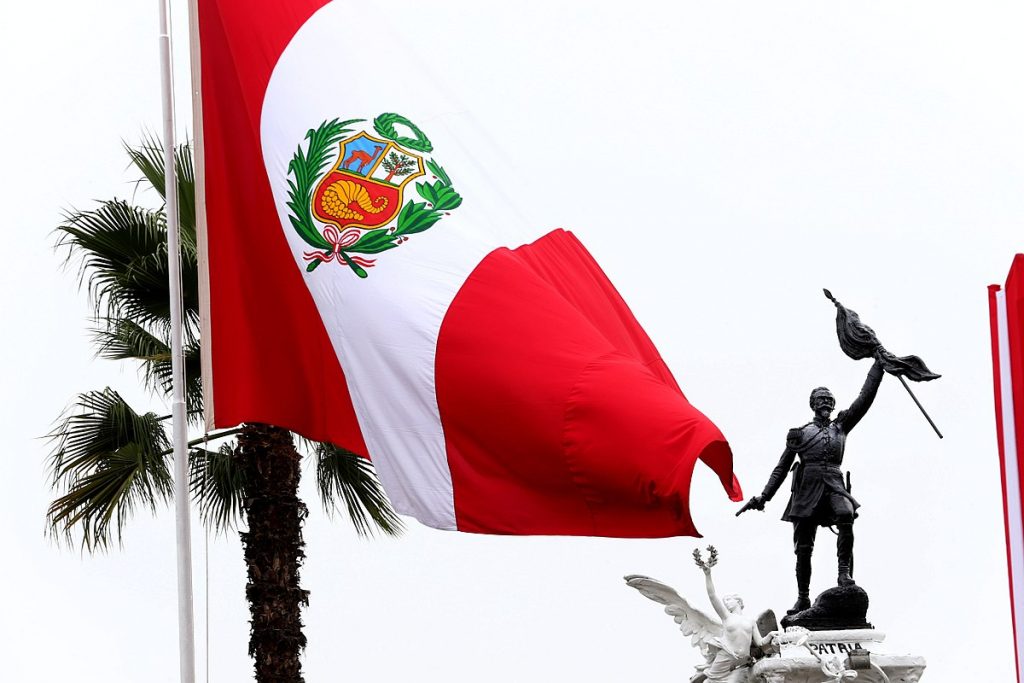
[368, 281]
[1006, 310]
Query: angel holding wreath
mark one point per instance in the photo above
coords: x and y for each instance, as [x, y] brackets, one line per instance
[725, 644]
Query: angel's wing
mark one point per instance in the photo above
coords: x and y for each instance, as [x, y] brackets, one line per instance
[704, 630]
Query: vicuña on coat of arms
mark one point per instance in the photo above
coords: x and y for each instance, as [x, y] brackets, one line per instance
[353, 208]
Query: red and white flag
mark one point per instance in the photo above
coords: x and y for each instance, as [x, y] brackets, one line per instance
[1006, 311]
[368, 283]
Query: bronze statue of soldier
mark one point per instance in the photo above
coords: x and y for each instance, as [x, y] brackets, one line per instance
[820, 497]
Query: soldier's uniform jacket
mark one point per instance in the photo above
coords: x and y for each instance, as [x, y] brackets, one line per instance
[818, 490]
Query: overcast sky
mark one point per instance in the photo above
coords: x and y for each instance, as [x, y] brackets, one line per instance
[761, 151]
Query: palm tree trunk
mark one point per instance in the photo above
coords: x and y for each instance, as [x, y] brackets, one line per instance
[273, 551]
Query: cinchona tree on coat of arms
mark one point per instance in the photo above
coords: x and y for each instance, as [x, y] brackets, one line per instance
[353, 209]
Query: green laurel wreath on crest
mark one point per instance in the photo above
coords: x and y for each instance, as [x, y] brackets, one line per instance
[385, 127]
[306, 168]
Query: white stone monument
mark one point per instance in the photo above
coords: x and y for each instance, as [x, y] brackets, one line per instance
[738, 649]
[841, 656]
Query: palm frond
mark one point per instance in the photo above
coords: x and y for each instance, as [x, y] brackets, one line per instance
[123, 339]
[217, 486]
[148, 157]
[109, 461]
[343, 477]
[123, 252]
[193, 381]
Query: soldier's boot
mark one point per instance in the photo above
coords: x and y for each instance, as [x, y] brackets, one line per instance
[803, 580]
[844, 551]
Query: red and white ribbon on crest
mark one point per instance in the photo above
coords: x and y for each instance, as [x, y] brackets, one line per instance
[338, 242]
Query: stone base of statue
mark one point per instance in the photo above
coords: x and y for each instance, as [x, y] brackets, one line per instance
[841, 607]
[833, 656]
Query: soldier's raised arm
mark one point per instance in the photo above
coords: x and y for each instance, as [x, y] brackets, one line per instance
[852, 415]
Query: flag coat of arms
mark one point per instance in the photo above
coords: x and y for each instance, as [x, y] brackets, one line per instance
[367, 280]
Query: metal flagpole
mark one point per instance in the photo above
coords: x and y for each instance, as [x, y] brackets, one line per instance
[921, 407]
[183, 525]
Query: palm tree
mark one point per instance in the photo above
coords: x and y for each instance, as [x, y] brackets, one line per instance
[109, 460]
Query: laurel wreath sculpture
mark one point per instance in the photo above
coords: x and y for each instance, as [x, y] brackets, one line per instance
[307, 166]
[712, 557]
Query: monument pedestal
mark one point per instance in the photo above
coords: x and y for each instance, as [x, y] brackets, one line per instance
[825, 656]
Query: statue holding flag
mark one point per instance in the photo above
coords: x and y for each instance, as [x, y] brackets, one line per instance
[820, 496]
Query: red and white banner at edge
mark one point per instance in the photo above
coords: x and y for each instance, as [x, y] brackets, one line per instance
[1006, 312]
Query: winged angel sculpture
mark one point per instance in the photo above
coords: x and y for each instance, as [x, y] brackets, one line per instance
[724, 644]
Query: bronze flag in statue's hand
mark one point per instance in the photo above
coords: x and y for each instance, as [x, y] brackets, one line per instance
[859, 341]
